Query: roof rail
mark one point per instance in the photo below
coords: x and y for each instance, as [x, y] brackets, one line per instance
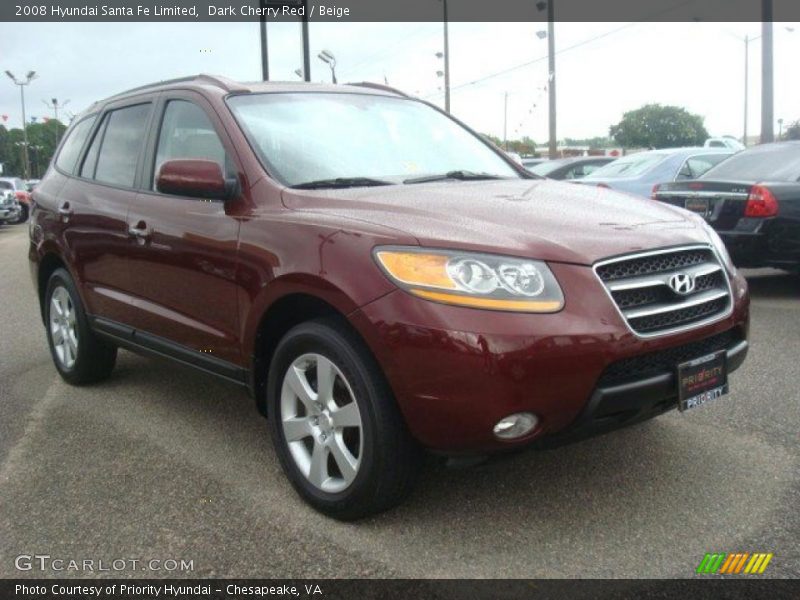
[380, 86]
[222, 82]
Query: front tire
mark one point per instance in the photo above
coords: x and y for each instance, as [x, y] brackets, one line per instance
[335, 426]
[80, 357]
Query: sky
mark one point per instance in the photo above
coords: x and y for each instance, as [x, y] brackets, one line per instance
[602, 69]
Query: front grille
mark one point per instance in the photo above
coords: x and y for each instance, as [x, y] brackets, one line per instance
[650, 264]
[665, 361]
[640, 285]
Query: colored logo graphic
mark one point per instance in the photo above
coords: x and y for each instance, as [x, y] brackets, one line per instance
[735, 563]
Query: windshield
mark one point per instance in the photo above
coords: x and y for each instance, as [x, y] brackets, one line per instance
[629, 166]
[776, 162]
[306, 137]
[5, 185]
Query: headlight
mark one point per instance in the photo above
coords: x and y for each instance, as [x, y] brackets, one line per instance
[471, 279]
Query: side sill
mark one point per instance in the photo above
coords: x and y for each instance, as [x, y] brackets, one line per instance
[153, 345]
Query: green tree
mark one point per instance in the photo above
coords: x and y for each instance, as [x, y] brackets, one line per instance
[657, 126]
[594, 142]
[525, 146]
[792, 131]
[43, 140]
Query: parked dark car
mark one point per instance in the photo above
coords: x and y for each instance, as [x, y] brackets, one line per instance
[753, 201]
[570, 168]
[378, 277]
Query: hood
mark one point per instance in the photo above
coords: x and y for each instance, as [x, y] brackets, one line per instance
[539, 218]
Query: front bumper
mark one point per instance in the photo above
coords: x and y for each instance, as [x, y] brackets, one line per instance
[457, 371]
[9, 214]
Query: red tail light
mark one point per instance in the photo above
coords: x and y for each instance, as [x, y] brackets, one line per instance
[761, 203]
[604, 185]
[654, 193]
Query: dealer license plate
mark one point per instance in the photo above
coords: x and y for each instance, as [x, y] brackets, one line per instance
[697, 205]
[702, 380]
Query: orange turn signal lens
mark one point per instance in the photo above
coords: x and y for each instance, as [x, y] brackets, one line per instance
[414, 268]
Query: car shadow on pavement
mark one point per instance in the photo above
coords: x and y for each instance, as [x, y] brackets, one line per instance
[665, 478]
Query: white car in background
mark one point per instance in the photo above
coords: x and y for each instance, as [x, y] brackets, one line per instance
[725, 141]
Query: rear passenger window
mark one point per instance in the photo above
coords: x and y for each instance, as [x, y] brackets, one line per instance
[187, 132]
[120, 146]
[71, 149]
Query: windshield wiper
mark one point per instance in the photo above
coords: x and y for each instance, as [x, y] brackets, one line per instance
[459, 175]
[340, 182]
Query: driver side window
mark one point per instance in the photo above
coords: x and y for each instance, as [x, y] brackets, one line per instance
[187, 132]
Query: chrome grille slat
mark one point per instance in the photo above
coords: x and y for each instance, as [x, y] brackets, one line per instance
[649, 281]
[639, 285]
[701, 298]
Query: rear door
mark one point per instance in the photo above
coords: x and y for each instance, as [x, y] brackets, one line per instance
[183, 268]
[92, 206]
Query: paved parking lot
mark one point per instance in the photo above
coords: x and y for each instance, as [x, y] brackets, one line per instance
[165, 463]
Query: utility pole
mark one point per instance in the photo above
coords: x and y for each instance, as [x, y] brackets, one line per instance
[767, 82]
[30, 76]
[551, 84]
[264, 47]
[505, 123]
[306, 51]
[446, 60]
[746, 84]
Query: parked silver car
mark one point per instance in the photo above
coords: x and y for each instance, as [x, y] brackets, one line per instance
[9, 206]
[639, 173]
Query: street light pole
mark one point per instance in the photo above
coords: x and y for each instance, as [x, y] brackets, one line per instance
[30, 76]
[55, 105]
[328, 58]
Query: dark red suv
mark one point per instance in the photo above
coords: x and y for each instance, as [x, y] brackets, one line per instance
[377, 275]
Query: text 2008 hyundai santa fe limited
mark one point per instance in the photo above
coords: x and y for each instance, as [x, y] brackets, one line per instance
[377, 275]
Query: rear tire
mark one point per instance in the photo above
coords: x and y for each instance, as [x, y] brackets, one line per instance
[80, 357]
[337, 431]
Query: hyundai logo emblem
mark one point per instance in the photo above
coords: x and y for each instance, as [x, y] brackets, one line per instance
[682, 283]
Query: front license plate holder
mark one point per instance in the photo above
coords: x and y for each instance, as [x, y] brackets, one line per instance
[702, 380]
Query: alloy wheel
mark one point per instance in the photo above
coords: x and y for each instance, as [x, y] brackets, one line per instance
[63, 327]
[321, 423]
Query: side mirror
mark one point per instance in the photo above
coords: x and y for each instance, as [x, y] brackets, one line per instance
[194, 177]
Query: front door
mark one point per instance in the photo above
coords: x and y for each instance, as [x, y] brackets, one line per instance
[184, 251]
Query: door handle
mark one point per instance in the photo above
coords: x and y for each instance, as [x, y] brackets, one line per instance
[139, 231]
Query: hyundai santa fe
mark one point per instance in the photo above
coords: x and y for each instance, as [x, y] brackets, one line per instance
[380, 278]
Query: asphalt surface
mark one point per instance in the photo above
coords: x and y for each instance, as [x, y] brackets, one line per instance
[165, 463]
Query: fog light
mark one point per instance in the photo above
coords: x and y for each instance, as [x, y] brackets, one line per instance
[515, 426]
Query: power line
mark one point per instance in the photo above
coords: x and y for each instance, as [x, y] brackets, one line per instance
[568, 48]
[536, 60]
